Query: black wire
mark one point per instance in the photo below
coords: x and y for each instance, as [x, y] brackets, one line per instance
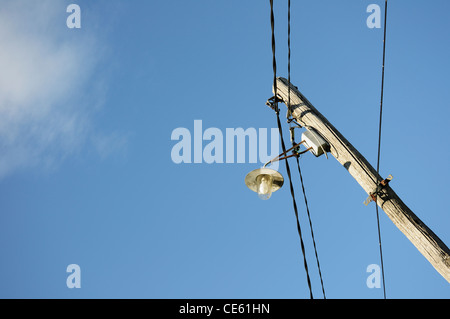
[293, 143]
[274, 59]
[289, 55]
[311, 226]
[379, 144]
[288, 170]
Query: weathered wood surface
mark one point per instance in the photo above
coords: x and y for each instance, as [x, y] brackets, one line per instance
[423, 238]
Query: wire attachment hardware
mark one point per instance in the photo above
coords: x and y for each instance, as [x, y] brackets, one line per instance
[377, 192]
[273, 103]
[295, 152]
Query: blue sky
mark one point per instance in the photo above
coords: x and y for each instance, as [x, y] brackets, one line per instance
[87, 178]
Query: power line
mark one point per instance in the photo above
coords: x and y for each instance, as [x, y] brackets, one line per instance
[311, 227]
[297, 157]
[379, 144]
[288, 171]
[289, 57]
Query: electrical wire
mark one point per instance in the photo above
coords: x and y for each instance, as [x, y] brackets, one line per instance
[311, 226]
[288, 171]
[294, 144]
[379, 146]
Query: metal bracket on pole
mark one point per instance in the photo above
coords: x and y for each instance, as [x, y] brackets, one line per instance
[273, 102]
[373, 195]
[295, 152]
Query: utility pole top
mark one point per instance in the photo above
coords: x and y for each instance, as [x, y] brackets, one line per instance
[423, 238]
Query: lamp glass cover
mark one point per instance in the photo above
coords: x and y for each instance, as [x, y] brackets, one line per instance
[264, 186]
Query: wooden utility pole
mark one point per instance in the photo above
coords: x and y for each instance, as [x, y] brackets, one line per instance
[409, 224]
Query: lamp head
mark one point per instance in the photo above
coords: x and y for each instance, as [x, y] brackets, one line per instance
[264, 181]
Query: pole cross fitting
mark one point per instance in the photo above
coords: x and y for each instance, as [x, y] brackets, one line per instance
[377, 192]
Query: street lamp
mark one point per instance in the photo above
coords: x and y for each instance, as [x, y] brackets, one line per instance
[264, 181]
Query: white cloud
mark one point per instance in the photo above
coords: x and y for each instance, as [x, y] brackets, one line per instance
[47, 96]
